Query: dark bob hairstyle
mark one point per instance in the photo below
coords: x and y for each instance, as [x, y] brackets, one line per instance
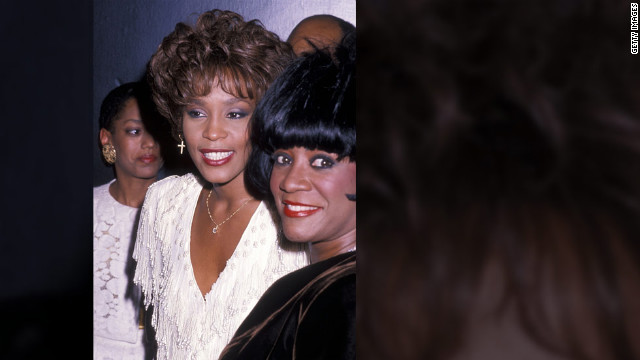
[311, 105]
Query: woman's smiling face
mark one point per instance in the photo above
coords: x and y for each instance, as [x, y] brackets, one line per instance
[309, 188]
[215, 132]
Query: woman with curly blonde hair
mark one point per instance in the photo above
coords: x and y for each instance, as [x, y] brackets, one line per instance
[207, 249]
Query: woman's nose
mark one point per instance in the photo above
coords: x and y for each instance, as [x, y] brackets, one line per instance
[214, 129]
[148, 140]
[295, 179]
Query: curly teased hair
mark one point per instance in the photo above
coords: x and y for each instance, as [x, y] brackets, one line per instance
[221, 48]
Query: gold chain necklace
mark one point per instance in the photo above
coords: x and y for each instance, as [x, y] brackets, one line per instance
[215, 228]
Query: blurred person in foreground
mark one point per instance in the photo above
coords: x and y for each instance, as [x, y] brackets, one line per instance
[502, 213]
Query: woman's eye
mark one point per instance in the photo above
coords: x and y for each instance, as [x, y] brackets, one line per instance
[195, 113]
[133, 131]
[236, 115]
[322, 162]
[282, 160]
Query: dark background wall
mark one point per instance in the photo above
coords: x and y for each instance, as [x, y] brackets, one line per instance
[45, 179]
[127, 32]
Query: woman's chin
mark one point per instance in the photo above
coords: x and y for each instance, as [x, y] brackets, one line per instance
[297, 236]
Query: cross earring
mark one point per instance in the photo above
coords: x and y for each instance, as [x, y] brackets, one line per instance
[181, 145]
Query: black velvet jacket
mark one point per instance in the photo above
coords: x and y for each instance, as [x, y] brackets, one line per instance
[307, 314]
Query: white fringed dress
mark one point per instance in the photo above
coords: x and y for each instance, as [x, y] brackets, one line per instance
[187, 325]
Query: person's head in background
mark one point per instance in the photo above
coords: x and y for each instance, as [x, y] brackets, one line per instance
[128, 133]
[216, 69]
[500, 196]
[318, 31]
[304, 150]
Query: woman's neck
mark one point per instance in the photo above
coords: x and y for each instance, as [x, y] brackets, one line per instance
[130, 191]
[322, 250]
[229, 193]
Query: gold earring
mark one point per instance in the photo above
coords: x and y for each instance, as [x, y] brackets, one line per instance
[109, 153]
[181, 145]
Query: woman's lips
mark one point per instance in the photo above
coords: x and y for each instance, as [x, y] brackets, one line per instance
[293, 209]
[216, 157]
[147, 159]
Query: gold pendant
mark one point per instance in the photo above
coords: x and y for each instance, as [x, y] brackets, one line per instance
[215, 229]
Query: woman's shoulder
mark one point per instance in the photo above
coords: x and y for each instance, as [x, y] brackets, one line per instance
[338, 266]
[101, 195]
[336, 274]
[328, 305]
[172, 184]
[103, 189]
[170, 196]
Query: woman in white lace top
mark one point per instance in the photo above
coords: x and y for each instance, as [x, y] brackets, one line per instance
[206, 248]
[128, 146]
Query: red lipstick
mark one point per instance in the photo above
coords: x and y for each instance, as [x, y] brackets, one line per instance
[147, 159]
[293, 209]
[216, 161]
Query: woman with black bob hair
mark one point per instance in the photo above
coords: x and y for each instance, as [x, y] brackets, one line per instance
[305, 107]
[303, 156]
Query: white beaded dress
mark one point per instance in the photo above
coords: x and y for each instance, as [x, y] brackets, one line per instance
[188, 325]
[116, 300]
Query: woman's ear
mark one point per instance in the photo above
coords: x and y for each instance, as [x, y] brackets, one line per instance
[105, 137]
